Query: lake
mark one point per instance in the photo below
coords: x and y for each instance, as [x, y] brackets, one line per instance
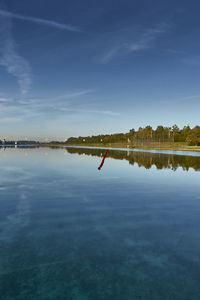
[70, 231]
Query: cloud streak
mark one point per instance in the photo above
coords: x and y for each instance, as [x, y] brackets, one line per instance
[143, 42]
[40, 21]
[19, 110]
[186, 99]
[3, 100]
[10, 59]
[71, 95]
[90, 111]
[193, 60]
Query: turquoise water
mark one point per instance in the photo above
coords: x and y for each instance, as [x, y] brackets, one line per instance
[69, 231]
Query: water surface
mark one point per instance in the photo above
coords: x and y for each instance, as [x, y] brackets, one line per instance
[69, 231]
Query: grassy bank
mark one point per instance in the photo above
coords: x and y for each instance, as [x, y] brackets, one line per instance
[156, 146]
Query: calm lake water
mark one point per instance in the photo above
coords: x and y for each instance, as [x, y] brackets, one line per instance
[69, 231]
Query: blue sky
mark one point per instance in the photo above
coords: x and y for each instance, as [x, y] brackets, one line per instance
[70, 68]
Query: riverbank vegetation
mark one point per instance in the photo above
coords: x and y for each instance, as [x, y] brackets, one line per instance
[147, 137]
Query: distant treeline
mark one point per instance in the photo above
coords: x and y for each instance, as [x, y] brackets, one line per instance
[161, 134]
[18, 142]
[145, 159]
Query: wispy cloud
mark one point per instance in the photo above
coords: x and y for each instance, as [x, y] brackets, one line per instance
[192, 97]
[10, 59]
[175, 52]
[40, 21]
[71, 95]
[124, 45]
[193, 61]
[110, 54]
[3, 100]
[23, 109]
[15, 64]
[90, 111]
[183, 100]
[59, 107]
[10, 120]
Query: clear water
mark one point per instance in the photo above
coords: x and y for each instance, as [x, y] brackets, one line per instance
[69, 231]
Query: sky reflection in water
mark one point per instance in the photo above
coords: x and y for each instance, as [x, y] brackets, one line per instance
[69, 231]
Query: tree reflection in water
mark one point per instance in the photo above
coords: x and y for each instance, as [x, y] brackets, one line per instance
[146, 159]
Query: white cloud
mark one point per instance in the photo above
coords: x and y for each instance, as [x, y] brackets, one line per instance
[124, 45]
[108, 56]
[72, 95]
[40, 21]
[90, 111]
[18, 110]
[10, 59]
[4, 100]
[10, 120]
[193, 61]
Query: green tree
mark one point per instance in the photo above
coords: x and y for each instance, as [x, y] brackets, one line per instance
[175, 133]
[194, 136]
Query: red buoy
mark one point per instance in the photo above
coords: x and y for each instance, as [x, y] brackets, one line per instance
[102, 162]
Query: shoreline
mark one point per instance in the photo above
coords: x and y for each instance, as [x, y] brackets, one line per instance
[183, 152]
[175, 149]
[129, 147]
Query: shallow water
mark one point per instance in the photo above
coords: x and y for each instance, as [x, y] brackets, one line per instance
[69, 231]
